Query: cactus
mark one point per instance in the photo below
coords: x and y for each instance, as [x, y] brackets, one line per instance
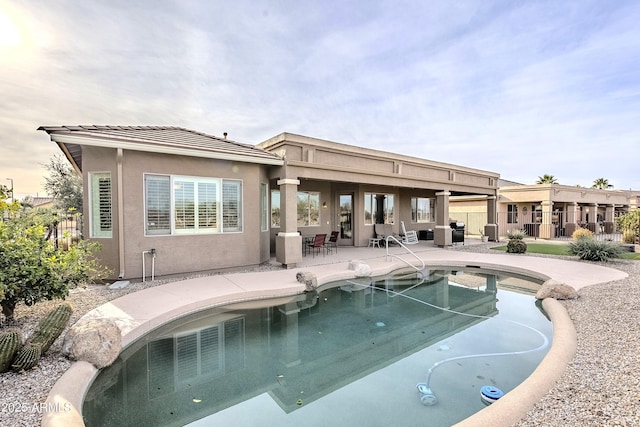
[10, 341]
[51, 326]
[27, 357]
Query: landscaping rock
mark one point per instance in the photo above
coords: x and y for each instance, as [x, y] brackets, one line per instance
[557, 290]
[309, 279]
[360, 268]
[97, 341]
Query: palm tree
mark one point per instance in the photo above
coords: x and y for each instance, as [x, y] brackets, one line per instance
[601, 184]
[547, 179]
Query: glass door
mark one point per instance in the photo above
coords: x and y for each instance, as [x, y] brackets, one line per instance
[345, 219]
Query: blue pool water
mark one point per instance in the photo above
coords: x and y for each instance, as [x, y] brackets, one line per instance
[352, 354]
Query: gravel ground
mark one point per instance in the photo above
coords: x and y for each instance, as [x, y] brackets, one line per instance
[601, 387]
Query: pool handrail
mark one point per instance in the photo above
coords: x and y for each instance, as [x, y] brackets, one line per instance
[388, 238]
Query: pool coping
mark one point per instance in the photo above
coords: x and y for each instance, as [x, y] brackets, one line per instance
[179, 298]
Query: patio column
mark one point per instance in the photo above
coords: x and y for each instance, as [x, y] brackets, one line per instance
[547, 228]
[491, 229]
[609, 219]
[592, 220]
[442, 235]
[288, 240]
[573, 216]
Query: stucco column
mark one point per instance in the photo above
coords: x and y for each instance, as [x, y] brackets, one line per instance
[491, 228]
[547, 229]
[609, 219]
[571, 221]
[288, 240]
[442, 235]
[592, 222]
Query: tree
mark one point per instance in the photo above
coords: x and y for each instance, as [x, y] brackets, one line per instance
[32, 268]
[64, 185]
[547, 179]
[601, 184]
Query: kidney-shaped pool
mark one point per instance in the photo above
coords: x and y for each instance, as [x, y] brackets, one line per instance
[428, 348]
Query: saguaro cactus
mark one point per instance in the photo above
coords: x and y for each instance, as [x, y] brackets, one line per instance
[10, 341]
[27, 358]
[51, 326]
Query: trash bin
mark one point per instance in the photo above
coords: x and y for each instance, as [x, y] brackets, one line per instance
[457, 232]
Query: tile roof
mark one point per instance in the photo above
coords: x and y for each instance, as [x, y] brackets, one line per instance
[162, 137]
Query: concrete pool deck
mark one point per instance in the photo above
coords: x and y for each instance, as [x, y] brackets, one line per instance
[138, 313]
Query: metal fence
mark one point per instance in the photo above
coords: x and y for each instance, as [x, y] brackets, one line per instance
[537, 225]
[555, 226]
[66, 230]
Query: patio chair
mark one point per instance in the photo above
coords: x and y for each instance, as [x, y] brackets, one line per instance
[332, 242]
[410, 237]
[317, 244]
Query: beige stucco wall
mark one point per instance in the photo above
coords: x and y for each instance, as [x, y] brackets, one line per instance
[179, 254]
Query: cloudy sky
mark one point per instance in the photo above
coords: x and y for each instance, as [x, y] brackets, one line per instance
[522, 88]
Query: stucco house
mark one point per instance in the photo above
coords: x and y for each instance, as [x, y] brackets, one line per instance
[205, 203]
[551, 210]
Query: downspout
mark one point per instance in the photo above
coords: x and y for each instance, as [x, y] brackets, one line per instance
[120, 198]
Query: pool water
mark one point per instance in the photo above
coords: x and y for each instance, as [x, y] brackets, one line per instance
[352, 354]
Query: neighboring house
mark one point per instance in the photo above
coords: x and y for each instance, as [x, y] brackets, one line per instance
[42, 202]
[208, 203]
[553, 210]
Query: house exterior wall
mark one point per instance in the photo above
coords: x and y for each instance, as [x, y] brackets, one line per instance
[178, 254]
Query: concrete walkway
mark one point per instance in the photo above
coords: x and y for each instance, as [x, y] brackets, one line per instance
[138, 313]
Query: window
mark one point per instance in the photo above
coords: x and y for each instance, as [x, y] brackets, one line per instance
[370, 209]
[183, 205]
[512, 214]
[275, 208]
[379, 208]
[231, 206]
[422, 209]
[158, 204]
[100, 204]
[264, 207]
[308, 208]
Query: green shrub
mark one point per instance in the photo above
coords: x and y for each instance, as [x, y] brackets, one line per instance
[516, 246]
[516, 234]
[590, 249]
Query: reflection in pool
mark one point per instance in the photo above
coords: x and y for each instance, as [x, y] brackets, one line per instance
[349, 355]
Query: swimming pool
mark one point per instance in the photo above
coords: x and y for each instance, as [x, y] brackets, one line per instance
[354, 352]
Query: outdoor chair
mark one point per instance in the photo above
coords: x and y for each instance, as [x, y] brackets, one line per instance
[317, 244]
[332, 242]
[410, 237]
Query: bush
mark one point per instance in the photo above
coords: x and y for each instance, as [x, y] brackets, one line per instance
[628, 237]
[590, 249]
[516, 234]
[581, 233]
[516, 246]
[32, 269]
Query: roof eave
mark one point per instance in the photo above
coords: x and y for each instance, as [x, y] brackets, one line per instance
[66, 138]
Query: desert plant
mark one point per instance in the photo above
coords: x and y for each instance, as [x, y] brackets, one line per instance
[10, 341]
[27, 357]
[590, 249]
[51, 326]
[581, 233]
[516, 246]
[629, 223]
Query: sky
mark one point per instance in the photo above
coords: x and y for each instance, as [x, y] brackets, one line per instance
[521, 88]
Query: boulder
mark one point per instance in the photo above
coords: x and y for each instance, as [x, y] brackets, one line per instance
[97, 341]
[557, 290]
[309, 279]
[360, 268]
